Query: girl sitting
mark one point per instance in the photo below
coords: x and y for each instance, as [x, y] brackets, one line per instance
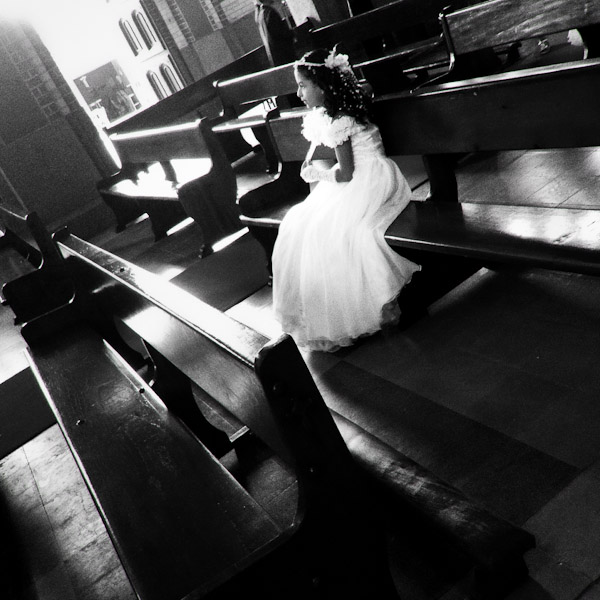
[335, 278]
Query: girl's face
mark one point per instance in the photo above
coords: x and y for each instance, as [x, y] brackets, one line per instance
[308, 91]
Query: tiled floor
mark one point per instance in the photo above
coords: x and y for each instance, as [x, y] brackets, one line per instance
[496, 391]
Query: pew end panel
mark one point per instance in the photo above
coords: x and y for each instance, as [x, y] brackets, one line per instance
[47, 286]
[190, 175]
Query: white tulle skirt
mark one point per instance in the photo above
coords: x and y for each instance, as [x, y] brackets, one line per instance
[335, 278]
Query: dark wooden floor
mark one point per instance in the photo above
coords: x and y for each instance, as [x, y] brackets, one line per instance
[496, 389]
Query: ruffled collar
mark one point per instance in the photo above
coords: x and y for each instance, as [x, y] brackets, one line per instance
[319, 128]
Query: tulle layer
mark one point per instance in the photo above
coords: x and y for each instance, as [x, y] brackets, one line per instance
[335, 279]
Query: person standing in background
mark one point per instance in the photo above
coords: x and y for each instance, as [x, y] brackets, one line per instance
[278, 39]
[275, 32]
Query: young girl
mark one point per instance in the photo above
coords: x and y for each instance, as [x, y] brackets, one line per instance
[335, 278]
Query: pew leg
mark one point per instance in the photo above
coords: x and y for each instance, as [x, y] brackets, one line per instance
[262, 135]
[125, 210]
[442, 178]
[163, 215]
[266, 238]
[174, 390]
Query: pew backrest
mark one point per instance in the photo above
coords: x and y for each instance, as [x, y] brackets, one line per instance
[500, 22]
[374, 23]
[193, 140]
[195, 100]
[544, 107]
[239, 94]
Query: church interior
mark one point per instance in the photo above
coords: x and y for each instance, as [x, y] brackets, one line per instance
[488, 391]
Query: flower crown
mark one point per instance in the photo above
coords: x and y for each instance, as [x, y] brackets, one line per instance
[333, 61]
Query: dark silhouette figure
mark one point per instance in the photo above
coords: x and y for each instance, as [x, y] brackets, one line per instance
[276, 34]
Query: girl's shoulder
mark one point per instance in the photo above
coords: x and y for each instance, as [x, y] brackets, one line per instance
[319, 127]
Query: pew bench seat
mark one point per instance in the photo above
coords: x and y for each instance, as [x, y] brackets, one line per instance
[181, 524]
[562, 239]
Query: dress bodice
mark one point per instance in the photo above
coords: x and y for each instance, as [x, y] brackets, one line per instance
[319, 128]
[367, 145]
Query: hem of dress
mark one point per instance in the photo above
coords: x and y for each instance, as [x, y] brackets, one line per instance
[391, 307]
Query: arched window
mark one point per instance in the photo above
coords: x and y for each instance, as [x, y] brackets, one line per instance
[131, 36]
[173, 82]
[145, 28]
[157, 85]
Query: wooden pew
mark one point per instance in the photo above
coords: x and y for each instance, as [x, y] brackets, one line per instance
[553, 238]
[46, 286]
[460, 45]
[545, 107]
[241, 98]
[206, 190]
[482, 27]
[503, 22]
[389, 44]
[195, 100]
[328, 505]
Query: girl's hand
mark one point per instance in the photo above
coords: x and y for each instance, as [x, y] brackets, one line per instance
[308, 172]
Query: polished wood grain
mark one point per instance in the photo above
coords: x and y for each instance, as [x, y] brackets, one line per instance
[553, 238]
[545, 107]
[206, 193]
[507, 21]
[252, 88]
[172, 510]
[266, 386]
[161, 143]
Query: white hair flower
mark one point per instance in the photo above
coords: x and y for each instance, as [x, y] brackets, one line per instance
[338, 61]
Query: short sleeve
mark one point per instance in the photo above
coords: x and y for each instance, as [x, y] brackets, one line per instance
[340, 130]
[314, 124]
[320, 128]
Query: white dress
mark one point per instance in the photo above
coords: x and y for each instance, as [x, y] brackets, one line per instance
[335, 278]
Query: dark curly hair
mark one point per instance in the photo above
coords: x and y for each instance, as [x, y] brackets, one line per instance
[343, 93]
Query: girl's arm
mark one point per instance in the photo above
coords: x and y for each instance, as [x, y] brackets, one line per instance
[345, 161]
[341, 172]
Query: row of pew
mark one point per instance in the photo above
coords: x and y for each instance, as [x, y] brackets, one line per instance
[213, 458]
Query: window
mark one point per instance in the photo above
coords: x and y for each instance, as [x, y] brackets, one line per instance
[131, 36]
[145, 28]
[173, 82]
[157, 85]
